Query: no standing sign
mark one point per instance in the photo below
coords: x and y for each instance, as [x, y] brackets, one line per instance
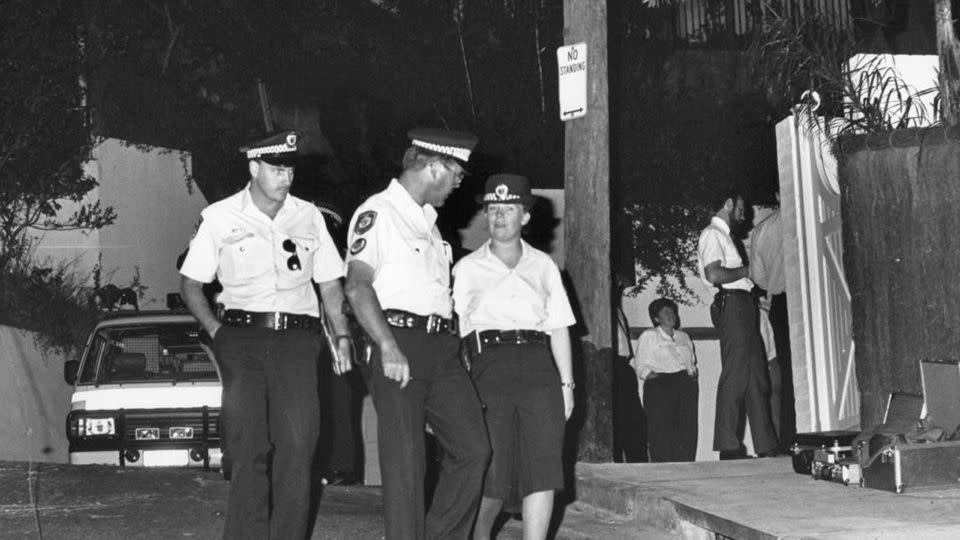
[572, 62]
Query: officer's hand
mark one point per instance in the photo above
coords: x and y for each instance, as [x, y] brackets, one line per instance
[395, 365]
[213, 334]
[343, 362]
[567, 402]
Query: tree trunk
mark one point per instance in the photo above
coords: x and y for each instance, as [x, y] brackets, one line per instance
[587, 233]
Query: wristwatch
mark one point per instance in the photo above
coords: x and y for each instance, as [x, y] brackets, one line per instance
[571, 385]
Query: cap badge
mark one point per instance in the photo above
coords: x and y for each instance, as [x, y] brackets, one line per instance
[291, 139]
[502, 191]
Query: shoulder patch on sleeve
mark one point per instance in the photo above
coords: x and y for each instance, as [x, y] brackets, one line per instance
[358, 245]
[365, 222]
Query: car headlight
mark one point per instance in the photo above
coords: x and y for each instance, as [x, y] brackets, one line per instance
[93, 426]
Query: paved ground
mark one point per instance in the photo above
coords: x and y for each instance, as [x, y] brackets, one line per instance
[106, 503]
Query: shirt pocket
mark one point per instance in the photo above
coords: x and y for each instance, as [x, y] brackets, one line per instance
[306, 251]
[246, 258]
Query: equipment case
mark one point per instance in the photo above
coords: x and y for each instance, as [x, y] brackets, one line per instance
[901, 466]
[891, 462]
[805, 444]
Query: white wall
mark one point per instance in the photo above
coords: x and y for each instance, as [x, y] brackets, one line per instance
[156, 215]
[34, 399]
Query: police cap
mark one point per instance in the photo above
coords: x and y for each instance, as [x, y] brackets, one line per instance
[456, 144]
[507, 189]
[276, 149]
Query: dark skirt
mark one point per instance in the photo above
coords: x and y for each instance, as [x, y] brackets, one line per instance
[520, 387]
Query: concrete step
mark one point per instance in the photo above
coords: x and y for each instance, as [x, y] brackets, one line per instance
[761, 499]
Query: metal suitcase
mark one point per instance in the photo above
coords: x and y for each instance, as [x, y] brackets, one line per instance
[806, 444]
[902, 466]
[891, 462]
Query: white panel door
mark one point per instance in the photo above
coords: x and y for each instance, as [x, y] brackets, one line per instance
[818, 297]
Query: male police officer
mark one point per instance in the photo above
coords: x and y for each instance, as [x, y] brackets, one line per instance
[265, 246]
[398, 283]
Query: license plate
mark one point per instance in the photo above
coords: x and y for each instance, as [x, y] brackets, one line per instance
[165, 458]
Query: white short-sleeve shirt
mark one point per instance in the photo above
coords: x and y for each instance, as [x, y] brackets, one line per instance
[244, 249]
[488, 295]
[658, 352]
[399, 239]
[715, 244]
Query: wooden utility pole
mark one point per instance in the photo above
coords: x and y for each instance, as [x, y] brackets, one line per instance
[948, 49]
[587, 230]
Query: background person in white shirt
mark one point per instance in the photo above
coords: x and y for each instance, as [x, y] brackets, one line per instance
[514, 316]
[744, 382]
[666, 363]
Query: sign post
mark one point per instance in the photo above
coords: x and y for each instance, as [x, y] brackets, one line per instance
[572, 62]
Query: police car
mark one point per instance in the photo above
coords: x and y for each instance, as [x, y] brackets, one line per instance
[146, 394]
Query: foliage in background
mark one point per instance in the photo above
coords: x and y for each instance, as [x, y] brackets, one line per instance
[689, 125]
[805, 59]
[45, 138]
[184, 73]
[52, 302]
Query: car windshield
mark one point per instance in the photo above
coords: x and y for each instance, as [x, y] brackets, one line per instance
[156, 352]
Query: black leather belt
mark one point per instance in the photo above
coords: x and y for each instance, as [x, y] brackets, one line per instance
[273, 320]
[734, 291]
[432, 324]
[511, 337]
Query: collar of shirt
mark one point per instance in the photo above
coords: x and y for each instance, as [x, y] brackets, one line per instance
[248, 207]
[491, 257]
[665, 335]
[409, 207]
[720, 224]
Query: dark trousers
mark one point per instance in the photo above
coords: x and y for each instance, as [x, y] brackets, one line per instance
[440, 393]
[671, 401]
[781, 334]
[744, 381]
[341, 399]
[271, 422]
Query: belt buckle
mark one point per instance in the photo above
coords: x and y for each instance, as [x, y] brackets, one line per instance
[433, 323]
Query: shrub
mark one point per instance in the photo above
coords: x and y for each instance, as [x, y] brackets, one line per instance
[50, 301]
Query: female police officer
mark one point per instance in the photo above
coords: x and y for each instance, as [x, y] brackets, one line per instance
[514, 313]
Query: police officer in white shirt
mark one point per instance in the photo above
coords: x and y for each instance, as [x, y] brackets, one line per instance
[514, 316]
[744, 381]
[398, 284]
[265, 246]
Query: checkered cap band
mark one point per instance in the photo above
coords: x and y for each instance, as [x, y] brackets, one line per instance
[496, 197]
[463, 154]
[254, 153]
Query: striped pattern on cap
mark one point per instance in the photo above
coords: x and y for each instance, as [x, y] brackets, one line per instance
[254, 153]
[463, 154]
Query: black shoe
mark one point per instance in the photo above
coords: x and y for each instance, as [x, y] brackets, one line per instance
[339, 478]
[772, 453]
[726, 455]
